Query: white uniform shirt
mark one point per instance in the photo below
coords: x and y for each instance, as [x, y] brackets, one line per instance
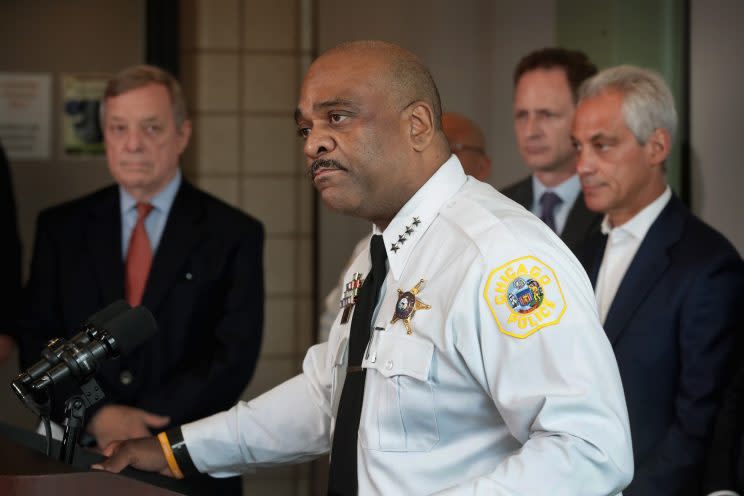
[622, 245]
[479, 398]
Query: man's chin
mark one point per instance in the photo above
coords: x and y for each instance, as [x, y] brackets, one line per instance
[338, 203]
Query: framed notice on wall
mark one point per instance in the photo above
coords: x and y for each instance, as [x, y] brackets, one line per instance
[81, 102]
[25, 115]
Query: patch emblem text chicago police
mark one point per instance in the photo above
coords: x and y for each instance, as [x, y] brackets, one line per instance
[524, 296]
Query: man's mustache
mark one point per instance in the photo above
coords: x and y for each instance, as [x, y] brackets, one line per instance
[324, 164]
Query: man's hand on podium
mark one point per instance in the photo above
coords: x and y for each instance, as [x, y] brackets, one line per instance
[119, 422]
[143, 454]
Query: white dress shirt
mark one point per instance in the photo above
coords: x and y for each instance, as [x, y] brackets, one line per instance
[506, 385]
[622, 244]
[567, 191]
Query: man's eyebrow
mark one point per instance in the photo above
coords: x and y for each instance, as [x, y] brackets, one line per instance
[336, 102]
[599, 136]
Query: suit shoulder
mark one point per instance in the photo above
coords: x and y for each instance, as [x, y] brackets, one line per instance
[75, 209]
[223, 214]
[516, 188]
[700, 238]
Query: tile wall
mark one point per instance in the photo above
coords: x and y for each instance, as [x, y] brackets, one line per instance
[241, 66]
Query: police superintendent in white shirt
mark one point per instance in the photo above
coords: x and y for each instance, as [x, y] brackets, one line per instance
[504, 385]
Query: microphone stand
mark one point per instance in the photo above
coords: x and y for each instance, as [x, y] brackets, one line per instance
[74, 413]
[75, 408]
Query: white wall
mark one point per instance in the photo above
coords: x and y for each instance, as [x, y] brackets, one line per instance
[716, 106]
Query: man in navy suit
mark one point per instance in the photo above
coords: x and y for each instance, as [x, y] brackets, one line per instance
[545, 86]
[10, 260]
[192, 260]
[667, 285]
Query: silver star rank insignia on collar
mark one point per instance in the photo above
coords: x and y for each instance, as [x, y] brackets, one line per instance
[395, 247]
[416, 221]
[406, 306]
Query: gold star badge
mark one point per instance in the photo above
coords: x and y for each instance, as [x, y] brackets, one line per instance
[407, 305]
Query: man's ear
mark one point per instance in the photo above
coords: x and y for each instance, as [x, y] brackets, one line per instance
[184, 134]
[658, 146]
[421, 125]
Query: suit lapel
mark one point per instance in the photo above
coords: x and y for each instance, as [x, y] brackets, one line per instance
[647, 267]
[182, 229]
[103, 240]
[580, 224]
[521, 193]
[591, 256]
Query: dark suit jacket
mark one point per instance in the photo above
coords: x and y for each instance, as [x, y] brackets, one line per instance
[725, 465]
[10, 250]
[205, 290]
[671, 325]
[581, 222]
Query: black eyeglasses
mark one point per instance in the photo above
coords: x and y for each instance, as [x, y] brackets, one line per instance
[459, 147]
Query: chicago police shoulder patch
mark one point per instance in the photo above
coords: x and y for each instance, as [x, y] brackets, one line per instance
[524, 296]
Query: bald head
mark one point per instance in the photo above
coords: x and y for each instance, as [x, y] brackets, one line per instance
[370, 115]
[467, 141]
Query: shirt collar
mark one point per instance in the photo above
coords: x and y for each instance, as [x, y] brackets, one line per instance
[568, 190]
[412, 221]
[641, 222]
[162, 201]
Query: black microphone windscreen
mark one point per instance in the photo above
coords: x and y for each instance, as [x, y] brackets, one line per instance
[102, 316]
[132, 328]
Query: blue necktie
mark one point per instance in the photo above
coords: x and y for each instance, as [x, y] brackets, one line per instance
[548, 202]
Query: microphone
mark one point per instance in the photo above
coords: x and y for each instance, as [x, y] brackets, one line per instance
[52, 353]
[120, 335]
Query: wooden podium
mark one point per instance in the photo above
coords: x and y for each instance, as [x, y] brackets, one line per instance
[26, 470]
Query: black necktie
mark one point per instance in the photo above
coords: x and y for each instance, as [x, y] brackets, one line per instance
[342, 479]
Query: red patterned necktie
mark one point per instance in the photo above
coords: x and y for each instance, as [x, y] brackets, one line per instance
[139, 257]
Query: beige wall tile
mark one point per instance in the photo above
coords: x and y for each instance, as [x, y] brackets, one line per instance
[269, 145]
[279, 330]
[216, 81]
[274, 487]
[280, 472]
[270, 83]
[303, 485]
[270, 25]
[217, 23]
[306, 25]
[305, 324]
[272, 200]
[217, 145]
[305, 261]
[269, 373]
[225, 188]
[305, 198]
[279, 266]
